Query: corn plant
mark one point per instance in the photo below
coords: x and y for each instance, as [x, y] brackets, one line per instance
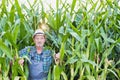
[86, 33]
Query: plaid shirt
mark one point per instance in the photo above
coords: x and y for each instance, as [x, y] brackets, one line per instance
[45, 56]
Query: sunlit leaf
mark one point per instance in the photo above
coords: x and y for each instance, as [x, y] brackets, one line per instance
[5, 49]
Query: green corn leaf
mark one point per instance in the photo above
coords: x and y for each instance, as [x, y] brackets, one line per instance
[78, 65]
[114, 73]
[75, 29]
[62, 51]
[93, 7]
[97, 43]
[19, 10]
[12, 14]
[110, 3]
[49, 75]
[9, 37]
[3, 63]
[73, 6]
[72, 60]
[64, 75]
[89, 61]
[117, 71]
[3, 8]
[74, 34]
[89, 77]
[108, 51]
[5, 49]
[118, 62]
[57, 72]
[15, 33]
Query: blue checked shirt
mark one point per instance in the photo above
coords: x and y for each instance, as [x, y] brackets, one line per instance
[41, 62]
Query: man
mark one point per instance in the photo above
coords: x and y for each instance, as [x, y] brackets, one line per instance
[40, 58]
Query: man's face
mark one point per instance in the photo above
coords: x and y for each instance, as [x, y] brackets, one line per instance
[39, 40]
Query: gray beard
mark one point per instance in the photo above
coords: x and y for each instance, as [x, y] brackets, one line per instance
[39, 46]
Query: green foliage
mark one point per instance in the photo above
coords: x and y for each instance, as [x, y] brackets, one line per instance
[87, 35]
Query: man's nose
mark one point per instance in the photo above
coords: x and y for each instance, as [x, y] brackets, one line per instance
[39, 39]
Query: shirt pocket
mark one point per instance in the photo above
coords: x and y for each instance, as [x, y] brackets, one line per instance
[46, 62]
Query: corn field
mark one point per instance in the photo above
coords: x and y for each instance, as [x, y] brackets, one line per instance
[85, 32]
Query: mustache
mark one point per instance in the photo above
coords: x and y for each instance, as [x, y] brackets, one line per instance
[38, 44]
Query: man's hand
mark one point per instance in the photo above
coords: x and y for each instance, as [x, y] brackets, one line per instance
[21, 61]
[57, 58]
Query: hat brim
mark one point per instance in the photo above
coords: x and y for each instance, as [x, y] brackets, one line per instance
[41, 34]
